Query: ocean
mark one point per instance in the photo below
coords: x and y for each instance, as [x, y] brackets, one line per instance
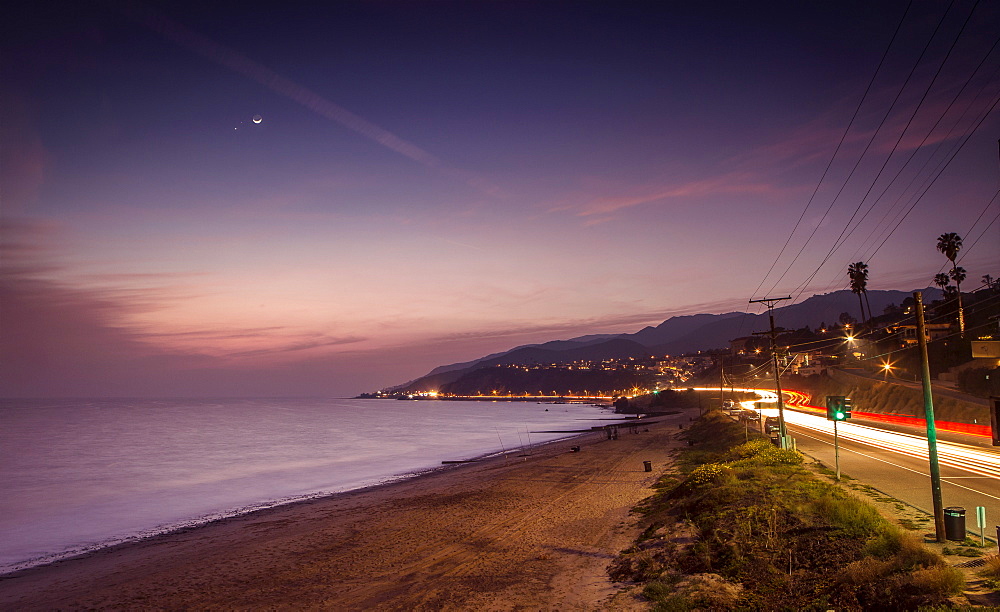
[78, 475]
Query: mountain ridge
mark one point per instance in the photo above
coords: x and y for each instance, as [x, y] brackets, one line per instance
[676, 335]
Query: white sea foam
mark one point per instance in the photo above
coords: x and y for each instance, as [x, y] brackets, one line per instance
[80, 475]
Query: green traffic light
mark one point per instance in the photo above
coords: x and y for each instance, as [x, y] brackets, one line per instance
[838, 408]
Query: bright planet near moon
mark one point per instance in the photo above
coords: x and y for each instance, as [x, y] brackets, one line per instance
[257, 118]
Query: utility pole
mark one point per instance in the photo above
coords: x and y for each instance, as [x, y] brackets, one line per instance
[722, 382]
[932, 455]
[782, 432]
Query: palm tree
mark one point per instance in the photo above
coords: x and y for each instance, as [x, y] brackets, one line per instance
[958, 275]
[864, 289]
[941, 280]
[950, 244]
[988, 281]
[858, 273]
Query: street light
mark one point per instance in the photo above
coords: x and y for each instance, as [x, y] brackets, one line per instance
[886, 370]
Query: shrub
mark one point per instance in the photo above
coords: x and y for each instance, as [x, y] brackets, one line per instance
[866, 571]
[709, 591]
[977, 381]
[663, 593]
[939, 581]
[642, 565]
[904, 550]
[706, 474]
[762, 453]
[992, 568]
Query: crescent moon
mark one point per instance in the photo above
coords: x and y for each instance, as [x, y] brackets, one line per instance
[257, 118]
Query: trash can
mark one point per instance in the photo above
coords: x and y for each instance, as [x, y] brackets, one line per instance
[648, 465]
[954, 523]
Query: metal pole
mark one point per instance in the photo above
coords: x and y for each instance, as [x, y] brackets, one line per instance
[836, 449]
[925, 374]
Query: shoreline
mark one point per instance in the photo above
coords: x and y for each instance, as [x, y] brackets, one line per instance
[25, 551]
[363, 521]
[269, 505]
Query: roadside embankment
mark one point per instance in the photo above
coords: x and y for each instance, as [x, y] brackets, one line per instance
[743, 525]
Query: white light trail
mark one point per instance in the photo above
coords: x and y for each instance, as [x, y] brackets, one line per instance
[961, 456]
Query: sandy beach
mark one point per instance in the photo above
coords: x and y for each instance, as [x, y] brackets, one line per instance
[507, 533]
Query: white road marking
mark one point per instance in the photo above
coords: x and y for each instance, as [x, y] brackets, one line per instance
[902, 467]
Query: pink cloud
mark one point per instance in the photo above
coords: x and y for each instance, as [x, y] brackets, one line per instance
[596, 210]
[727, 184]
[319, 341]
[61, 341]
[65, 339]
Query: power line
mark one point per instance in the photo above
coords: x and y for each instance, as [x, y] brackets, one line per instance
[837, 242]
[835, 280]
[925, 138]
[861, 157]
[936, 177]
[843, 137]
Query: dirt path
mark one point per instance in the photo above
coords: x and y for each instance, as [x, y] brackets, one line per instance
[523, 533]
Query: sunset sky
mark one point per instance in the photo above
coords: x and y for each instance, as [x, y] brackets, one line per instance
[433, 181]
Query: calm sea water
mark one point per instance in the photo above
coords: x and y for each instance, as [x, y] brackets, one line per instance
[76, 475]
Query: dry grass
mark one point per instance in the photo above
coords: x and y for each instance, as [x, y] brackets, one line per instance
[940, 580]
[992, 568]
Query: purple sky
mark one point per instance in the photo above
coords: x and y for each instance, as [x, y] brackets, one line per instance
[435, 181]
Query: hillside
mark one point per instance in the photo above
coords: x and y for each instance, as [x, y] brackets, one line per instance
[676, 335]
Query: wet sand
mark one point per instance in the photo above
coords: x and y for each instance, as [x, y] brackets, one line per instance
[510, 533]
